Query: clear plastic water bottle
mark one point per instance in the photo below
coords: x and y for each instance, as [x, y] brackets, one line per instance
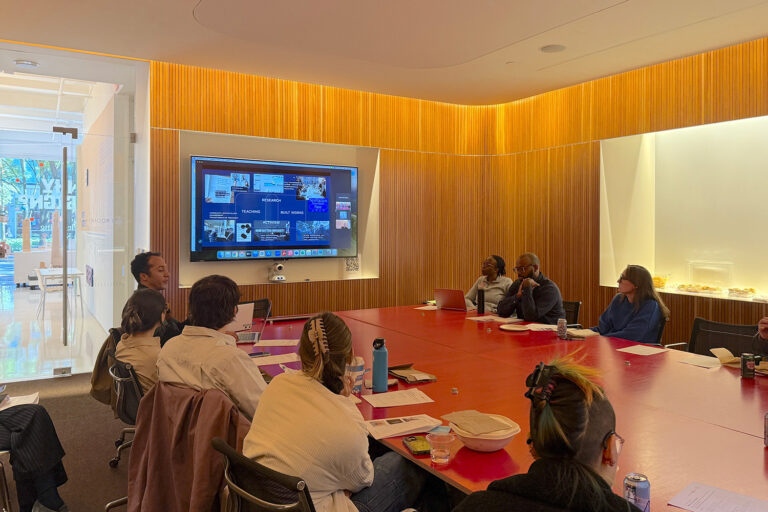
[380, 365]
[562, 328]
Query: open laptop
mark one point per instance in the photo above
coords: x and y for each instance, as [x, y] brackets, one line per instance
[243, 323]
[450, 299]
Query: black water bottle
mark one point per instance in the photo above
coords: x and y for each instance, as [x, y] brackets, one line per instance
[480, 302]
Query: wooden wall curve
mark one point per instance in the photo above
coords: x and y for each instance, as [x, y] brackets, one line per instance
[460, 182]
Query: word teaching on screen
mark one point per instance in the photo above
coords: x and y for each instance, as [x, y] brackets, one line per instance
[252, 209]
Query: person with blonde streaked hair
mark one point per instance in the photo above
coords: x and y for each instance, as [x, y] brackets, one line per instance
[307, 426]
[575, 445]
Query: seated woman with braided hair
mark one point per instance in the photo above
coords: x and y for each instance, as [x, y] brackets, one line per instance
[574, 443]
[306, 426]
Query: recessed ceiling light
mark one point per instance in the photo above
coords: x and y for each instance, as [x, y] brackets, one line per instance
[26, 64]
[552, 48]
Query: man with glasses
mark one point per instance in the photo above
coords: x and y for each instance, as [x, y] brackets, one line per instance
[533, 297]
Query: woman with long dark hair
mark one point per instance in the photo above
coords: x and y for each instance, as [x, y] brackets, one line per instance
[575, 445]
[635, 313]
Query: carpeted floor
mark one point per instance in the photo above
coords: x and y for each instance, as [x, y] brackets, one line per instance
[87, 430]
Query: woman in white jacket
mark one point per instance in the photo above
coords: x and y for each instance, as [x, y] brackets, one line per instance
[306, 426]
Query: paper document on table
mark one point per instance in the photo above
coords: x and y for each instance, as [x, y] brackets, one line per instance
[494, 318]
[726, 357]
[396, 398]
[705, 498]
[581, 333]
[379, 429]
[20, 400]
[475, 422]
[703, 361]
[427, 308]
[281, 358]
[276, 343]
[354, 399]
[642, 350]
[542, 327]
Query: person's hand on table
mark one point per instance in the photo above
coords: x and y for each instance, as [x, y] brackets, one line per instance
[762, 328]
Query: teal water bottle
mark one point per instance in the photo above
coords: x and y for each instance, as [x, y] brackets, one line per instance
[380, 366]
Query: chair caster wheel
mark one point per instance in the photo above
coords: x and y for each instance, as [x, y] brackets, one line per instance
[114, 462]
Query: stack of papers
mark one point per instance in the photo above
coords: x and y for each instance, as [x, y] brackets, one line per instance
[281, 358]
[702, 361]
[411, 375]
[379, 429]
[276, 343]
[397, 398]
[494, 318]
[581, 333]
[427, 308]
[11, 401]
[475, 422]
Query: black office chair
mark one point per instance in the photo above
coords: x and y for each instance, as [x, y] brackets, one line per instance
[572, 313]
[129, 394]
[662, 323]
[256, 488]
[707, 334]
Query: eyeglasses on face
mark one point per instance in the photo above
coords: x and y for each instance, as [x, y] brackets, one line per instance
[522, 268]
[616, 438]
[621, 278]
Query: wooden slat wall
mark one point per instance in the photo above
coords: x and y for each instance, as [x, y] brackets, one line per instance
[461, 182]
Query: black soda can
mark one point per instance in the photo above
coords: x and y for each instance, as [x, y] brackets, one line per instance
[747, 366]
[480, 301]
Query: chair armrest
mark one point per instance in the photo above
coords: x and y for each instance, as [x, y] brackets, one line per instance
[683, 344]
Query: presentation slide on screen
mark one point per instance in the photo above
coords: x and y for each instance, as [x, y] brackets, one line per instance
[252, 209]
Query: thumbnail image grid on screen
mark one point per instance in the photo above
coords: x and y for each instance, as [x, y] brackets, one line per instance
[247, 209]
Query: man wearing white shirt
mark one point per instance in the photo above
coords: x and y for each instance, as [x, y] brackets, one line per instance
[205, 357]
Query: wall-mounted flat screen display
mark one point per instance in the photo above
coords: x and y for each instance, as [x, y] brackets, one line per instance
[253, 209]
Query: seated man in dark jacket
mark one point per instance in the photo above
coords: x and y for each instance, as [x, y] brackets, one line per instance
[533, 297]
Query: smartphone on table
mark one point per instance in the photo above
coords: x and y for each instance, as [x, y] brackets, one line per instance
[417, 445]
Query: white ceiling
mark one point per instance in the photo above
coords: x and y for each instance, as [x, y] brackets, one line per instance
[458, 51]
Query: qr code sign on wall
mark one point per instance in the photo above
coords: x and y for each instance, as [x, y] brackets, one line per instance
[352, 264]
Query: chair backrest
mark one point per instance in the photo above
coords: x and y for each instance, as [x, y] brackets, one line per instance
[262, 308]
[571, 311]
[707, 334]
[128, 391]
[258, 488]
[662, 323]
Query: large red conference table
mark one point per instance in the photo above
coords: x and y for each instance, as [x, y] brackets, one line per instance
[682, 423]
